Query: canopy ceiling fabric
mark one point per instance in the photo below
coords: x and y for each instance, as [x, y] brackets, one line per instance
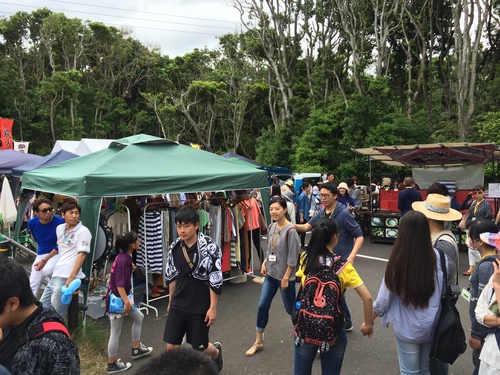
[144, 165]
[10, 159]
[44, 162]
[431, 155]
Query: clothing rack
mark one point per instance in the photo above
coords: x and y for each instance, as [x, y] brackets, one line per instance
[166, 243]
[146, 270]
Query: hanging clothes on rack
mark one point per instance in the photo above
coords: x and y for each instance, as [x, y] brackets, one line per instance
[227, 235]
[204, 220]
[118, 222]
[150, 252]
[239, 222]
[215, 212]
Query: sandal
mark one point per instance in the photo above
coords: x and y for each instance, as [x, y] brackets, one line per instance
[467, 273]
[159, 291]
[154, 294]
[256, 347]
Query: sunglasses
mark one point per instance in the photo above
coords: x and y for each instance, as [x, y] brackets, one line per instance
[478, 192]
[45, 210]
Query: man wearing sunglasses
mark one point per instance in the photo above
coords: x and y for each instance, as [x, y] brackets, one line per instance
[479, 209]
[43, 229]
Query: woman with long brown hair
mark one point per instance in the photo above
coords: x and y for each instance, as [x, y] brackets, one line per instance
[409, 296]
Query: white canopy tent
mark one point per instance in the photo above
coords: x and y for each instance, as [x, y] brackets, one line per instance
[69, 146]
[82, 147]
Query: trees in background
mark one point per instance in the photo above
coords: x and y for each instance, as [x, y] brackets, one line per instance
[302, 84]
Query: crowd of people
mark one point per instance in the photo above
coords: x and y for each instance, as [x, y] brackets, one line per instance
[409, 296]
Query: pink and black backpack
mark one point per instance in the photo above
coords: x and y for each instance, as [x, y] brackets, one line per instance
[320, 316]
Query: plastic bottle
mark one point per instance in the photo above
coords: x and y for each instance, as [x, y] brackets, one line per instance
[295, 312]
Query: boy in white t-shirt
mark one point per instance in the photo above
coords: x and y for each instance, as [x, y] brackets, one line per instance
[73, 240]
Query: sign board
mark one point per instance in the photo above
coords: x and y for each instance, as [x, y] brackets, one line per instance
[494, 190]
[450, 185]
[21, 146]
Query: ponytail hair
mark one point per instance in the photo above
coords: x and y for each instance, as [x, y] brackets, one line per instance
[124, 241]
[321, 235]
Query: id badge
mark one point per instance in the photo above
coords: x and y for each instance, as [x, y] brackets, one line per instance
[272, 258]
[465, 295]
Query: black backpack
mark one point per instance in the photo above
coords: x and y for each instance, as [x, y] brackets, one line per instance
[449, 337]
[35, 332]
[320, 317]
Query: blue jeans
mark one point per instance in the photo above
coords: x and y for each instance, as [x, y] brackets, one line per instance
[267, 293]
[347, 313]
[413, 358]
[52, 296]
[331, 361]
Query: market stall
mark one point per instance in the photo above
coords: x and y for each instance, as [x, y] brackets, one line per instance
[458, 164]
[136, 166]
[10, 159]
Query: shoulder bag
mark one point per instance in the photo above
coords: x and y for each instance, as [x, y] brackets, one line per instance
[449, 336]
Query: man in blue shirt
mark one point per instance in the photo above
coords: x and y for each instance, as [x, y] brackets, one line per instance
[43, 229]
[303, 207]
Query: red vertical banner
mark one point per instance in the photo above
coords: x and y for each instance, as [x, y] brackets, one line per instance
[7, 143]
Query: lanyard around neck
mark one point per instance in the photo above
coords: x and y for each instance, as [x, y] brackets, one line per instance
[276, 235]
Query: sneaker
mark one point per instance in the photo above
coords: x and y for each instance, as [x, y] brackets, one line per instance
[349, 329]
[219, 360]
[118, 366]
[141, 351]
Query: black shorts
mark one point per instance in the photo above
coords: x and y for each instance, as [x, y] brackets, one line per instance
[180, 323]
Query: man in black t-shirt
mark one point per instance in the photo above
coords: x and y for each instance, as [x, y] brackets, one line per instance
[193, 271]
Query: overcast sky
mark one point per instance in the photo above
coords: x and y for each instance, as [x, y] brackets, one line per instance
[176, 26]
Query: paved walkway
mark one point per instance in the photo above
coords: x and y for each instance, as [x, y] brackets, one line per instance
[235, 328]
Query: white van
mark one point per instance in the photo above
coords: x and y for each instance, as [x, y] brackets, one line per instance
[313, 178]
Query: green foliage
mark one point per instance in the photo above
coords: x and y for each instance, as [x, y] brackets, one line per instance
[317, 149]
[489, 127]
[63, 78]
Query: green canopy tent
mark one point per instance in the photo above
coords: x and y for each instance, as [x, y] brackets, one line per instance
[139, 165]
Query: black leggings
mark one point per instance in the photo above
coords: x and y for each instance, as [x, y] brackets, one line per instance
[255, 235]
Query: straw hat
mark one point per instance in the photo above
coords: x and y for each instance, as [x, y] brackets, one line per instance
[437, 207]
[343, 185]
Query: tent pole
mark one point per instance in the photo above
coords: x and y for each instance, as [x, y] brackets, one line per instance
[370, 179]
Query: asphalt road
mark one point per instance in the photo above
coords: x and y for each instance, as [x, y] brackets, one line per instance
[235, 328]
